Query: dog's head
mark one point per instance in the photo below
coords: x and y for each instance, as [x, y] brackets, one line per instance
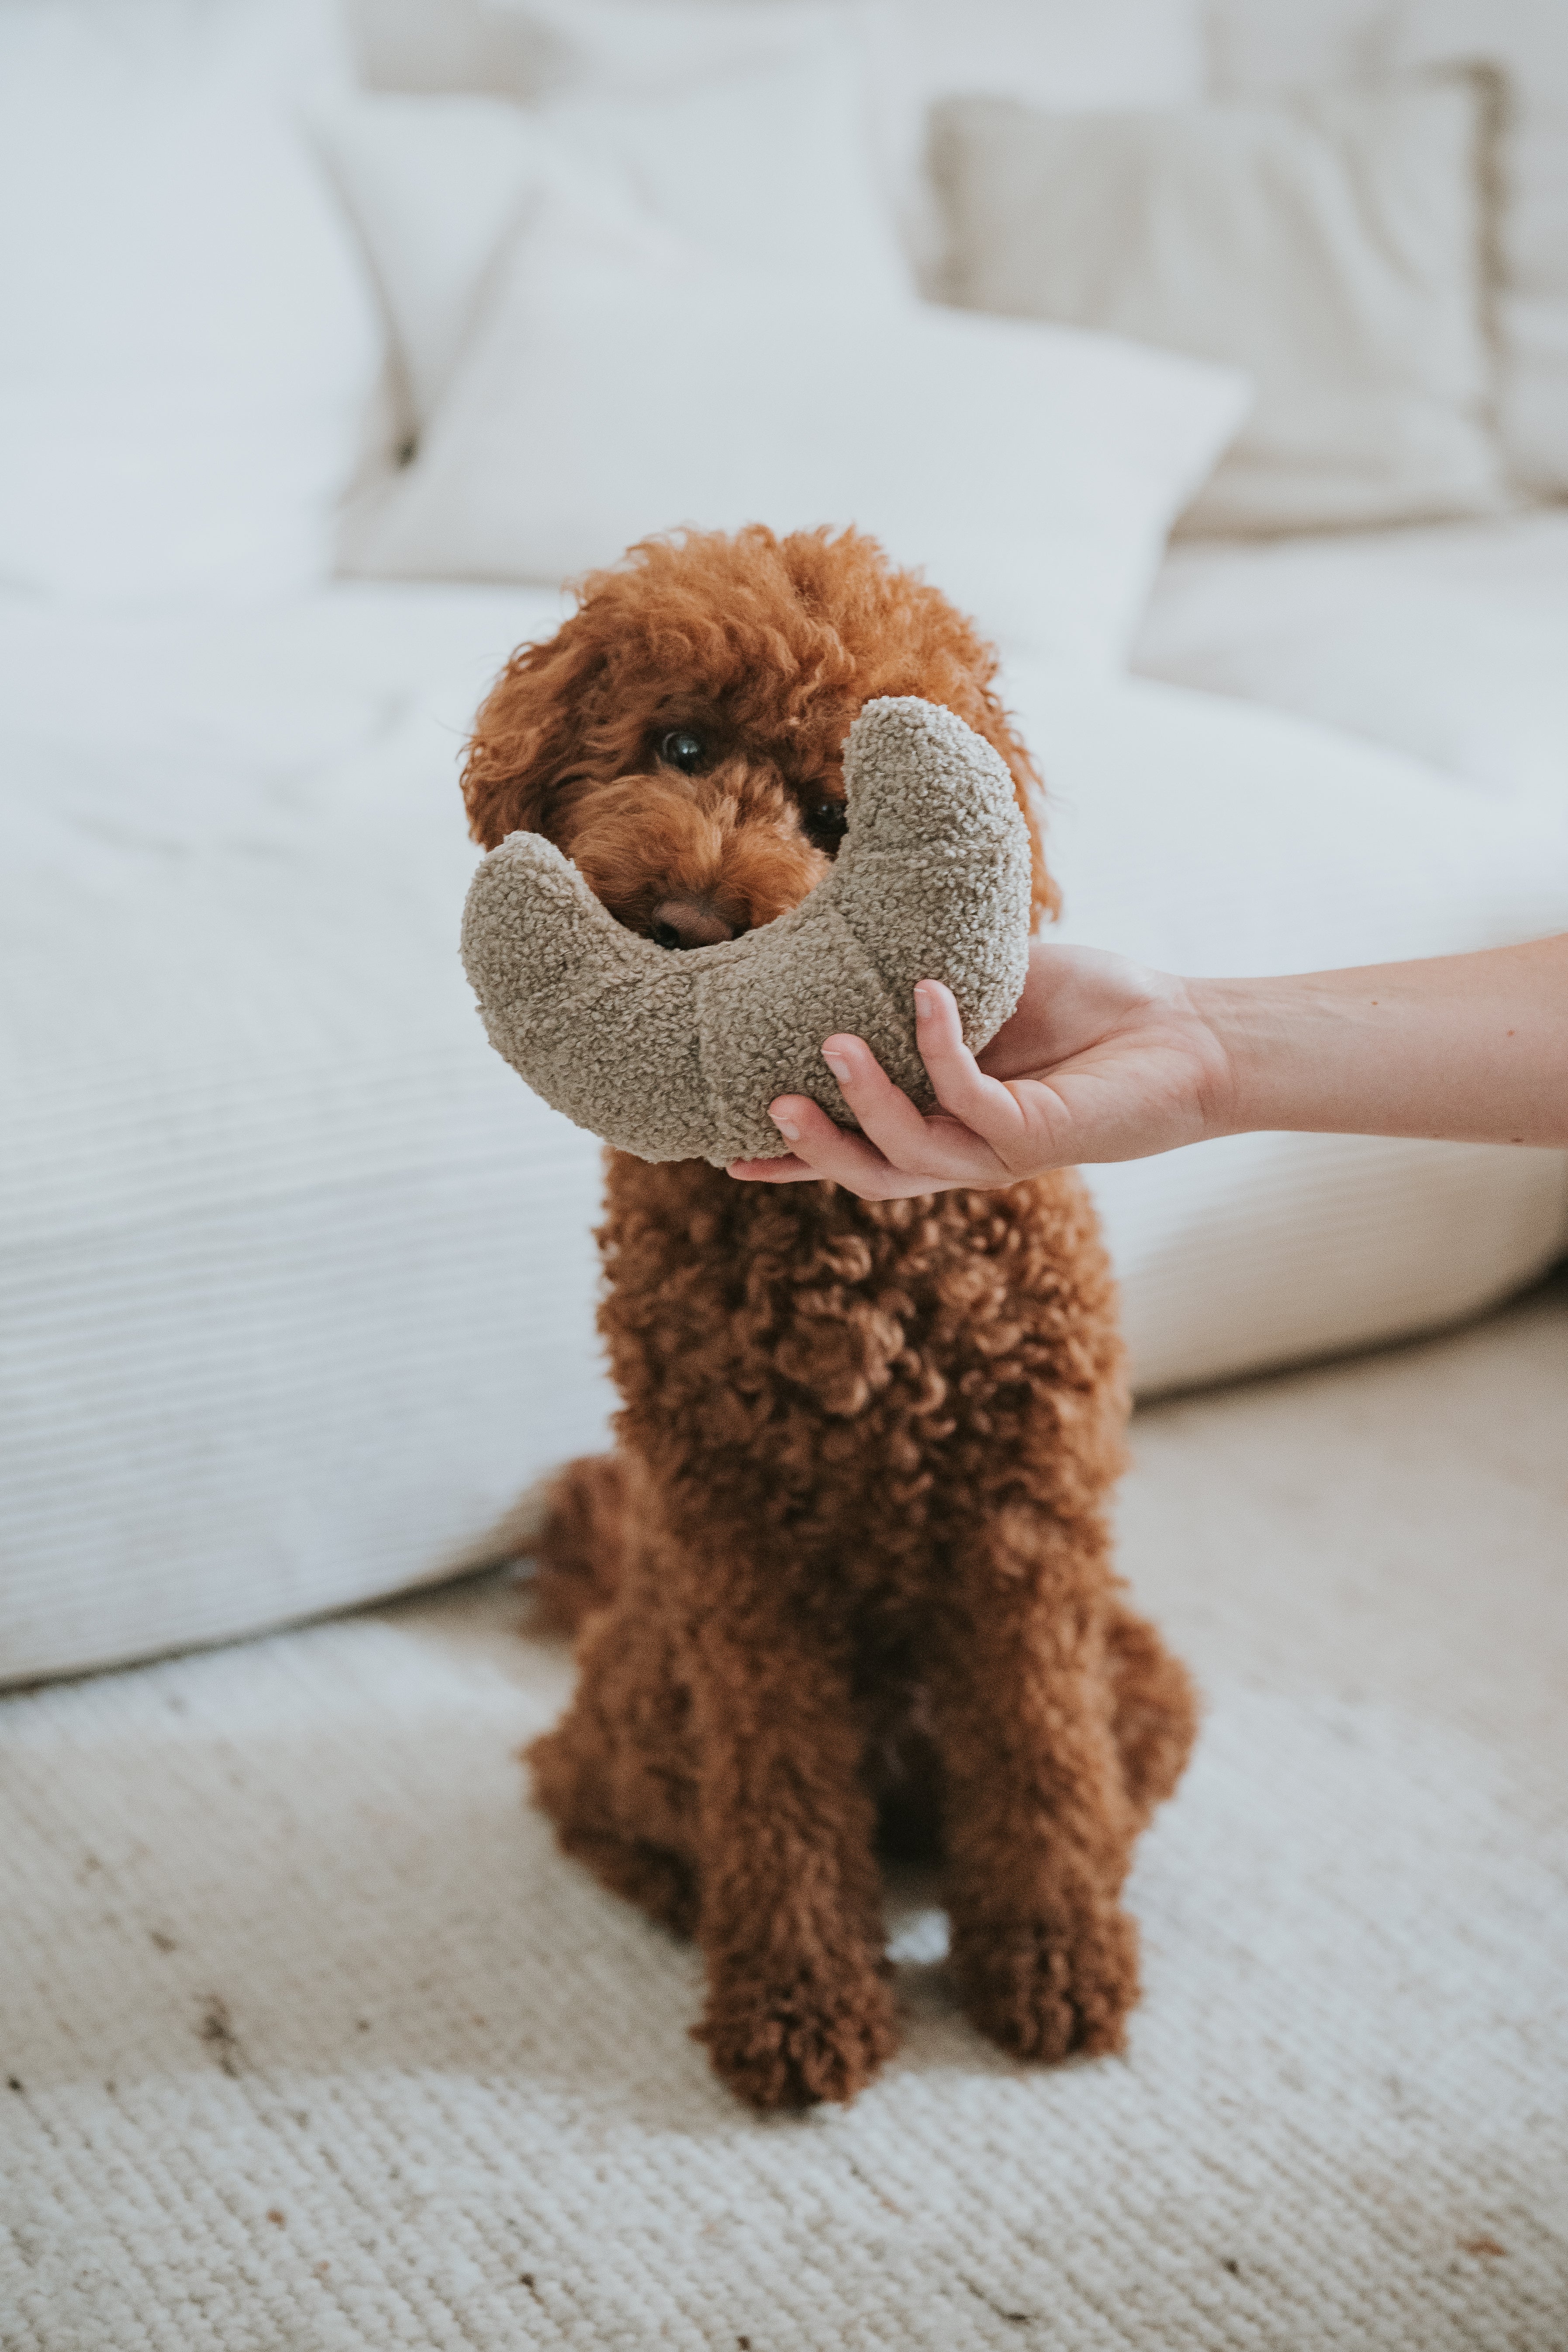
[681, 737]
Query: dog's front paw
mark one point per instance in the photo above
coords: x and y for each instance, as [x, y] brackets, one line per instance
[1045, 1988]
[795, 2045]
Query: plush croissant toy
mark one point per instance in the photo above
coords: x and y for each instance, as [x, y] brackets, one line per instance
[678, 1057]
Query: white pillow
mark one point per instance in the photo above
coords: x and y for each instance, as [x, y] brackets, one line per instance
[622, 385]
[1330, 245]
[543, 50]
[770, 170]
[909, 52]
[190, 347]
[1527, 42]
[1271, 45]
[1263, 47]
[433, 184]
[1053, 52]
[1057, 53]
[749, 126]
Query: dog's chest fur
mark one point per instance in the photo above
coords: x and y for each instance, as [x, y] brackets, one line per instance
[843, 1374]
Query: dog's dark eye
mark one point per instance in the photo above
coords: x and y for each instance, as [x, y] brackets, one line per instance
[680, 749]
[825, 824]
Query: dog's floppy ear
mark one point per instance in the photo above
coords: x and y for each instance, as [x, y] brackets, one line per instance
[527, 737]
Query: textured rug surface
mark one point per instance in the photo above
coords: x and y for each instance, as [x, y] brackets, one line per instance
[313, 2041]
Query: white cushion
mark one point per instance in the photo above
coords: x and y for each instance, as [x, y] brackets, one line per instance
[535, 50]
[1209, 837]
[909, 52]
[436, 183]
[433, 185]
[1052, 52]
[1130, 52]
[1055, 53]
[768, 170]
[1446, 641]
[620, 386]
[296, 1277]
[1330, 244]
[191, 348]
[1271, 45]
[751, 126]
[1527, 41]
[548, 50]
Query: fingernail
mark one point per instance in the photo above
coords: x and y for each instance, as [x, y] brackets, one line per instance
[785, 1125]
[925, 1002]
[840, 1069]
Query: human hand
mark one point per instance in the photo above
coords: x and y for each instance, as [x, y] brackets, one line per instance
[1104, 1059]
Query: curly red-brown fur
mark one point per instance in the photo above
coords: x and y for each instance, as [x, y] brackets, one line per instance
[849, 1574]
[774, 644]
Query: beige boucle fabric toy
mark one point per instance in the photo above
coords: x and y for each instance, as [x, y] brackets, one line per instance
[676, 1054]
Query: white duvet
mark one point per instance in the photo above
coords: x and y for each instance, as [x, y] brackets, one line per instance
[296, 1278]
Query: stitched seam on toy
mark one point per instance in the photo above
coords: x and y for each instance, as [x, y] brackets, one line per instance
[899, 1018]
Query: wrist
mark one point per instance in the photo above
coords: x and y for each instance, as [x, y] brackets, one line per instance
[1303, 1052]
[1223, 1023]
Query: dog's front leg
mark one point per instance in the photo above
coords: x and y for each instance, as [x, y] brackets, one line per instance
[800, 2006]
[1038, 1820]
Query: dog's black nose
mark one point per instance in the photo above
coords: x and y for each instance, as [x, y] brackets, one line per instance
[689, 923]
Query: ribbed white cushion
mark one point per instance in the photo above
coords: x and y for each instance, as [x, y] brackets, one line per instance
[1212, 837]
[296, 1278]
[1446, 641]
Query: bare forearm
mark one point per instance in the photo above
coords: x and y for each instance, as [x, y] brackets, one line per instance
[1473, 1048]
[1108, 1060]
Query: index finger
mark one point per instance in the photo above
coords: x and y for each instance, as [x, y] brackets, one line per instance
[826, 1150]
[939, 1151]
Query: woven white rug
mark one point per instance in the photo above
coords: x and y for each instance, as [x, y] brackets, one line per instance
[314, 2041]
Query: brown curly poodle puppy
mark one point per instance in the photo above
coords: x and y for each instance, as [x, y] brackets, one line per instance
[849, 1576]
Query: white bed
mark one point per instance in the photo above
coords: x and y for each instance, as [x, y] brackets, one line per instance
[297, 1281]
